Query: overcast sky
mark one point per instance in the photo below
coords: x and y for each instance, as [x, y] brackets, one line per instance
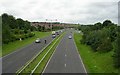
[72, 11]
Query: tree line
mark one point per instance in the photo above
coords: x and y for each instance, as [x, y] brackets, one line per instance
[18, 29]
[103, 37]
[15, 29]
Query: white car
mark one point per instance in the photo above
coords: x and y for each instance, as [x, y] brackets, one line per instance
[70, 37]
[37, 40]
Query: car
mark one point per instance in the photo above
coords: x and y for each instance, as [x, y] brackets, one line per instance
[70, 37]
[57, 33]
[53, 32]
[37, 40]
[53, 36]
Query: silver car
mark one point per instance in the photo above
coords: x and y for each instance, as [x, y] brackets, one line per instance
[70, 37]
[37, 40]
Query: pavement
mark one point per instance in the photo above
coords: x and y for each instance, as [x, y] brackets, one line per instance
[14, 61]
[65, 59]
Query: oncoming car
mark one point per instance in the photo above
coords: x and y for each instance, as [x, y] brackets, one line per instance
[37, 40]
[70, 37]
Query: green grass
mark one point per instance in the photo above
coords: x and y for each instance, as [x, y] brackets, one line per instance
[8, 48]
[95, 62]
[40, 56]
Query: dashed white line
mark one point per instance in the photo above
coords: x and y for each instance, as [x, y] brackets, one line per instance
[65, 55]
[80, 57]
[65, 65]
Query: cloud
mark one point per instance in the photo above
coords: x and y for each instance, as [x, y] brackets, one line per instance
[73, 11]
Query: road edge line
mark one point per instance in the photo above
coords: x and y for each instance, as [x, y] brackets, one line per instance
[45, 55]
[23, 67]
[80, 56]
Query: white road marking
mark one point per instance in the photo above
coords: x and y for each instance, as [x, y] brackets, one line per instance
[80, 57]
[51, 56]
[65, 65]
[65, 55]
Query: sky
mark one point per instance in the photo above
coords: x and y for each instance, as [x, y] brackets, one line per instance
[68, 11]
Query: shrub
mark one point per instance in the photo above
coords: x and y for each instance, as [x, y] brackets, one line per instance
[31, 34]
[6, 41]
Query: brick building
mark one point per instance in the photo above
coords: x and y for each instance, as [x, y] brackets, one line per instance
[47, 24]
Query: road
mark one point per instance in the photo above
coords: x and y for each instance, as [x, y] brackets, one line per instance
[65, 59]
[13, 62]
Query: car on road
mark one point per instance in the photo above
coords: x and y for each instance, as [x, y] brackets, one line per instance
[53, 36]
[37, 40]
[70, 37]
[53, 32]
[57, 32]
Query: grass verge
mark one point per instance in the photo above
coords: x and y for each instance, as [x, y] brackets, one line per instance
[32, 65]
[95, 62]
[8, 48]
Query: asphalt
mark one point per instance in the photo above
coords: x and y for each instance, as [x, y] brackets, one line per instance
[65, 59]
[14, 61]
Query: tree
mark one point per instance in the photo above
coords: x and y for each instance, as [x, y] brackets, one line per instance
[107, 23]
[20, 23]
[5, 29]
[12, 22]
[13, 29]
[39, 28]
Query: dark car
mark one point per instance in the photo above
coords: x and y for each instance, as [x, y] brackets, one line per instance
[53, 36]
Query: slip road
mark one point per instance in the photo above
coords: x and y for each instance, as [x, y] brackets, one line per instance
[65, 59]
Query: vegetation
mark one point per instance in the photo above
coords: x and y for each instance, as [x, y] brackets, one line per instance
[103, 38]
[44, 62]
[57, 28]
[95, 62]
[12, 46]
[40, 56]
[15, 29]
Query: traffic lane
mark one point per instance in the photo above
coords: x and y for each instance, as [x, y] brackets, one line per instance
[14, 61]
[65, 59]
[73, 62]
[56, 63]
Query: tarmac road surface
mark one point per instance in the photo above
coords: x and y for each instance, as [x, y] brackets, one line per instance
[65, 59]
[14, 61]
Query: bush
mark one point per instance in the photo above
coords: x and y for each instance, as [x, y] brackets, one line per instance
[26, 35]
[105, 46]
[22, 37]
[6, 41]
[13, 38]
[31, 34]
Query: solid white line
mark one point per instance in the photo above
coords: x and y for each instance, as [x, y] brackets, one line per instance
[51, 57]
[79, 55]
[32, 59]
[44, 57]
